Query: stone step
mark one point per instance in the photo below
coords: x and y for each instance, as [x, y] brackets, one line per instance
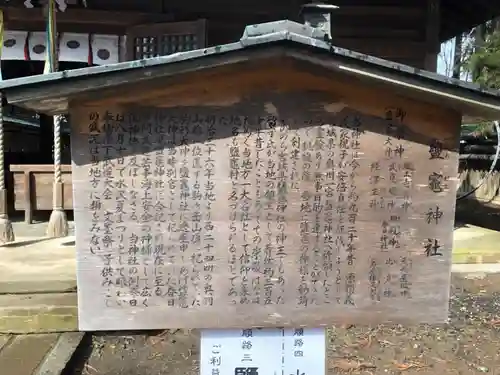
[37, 354]
[23, 354]
[38, 313]
[62, 352]
[34, 286]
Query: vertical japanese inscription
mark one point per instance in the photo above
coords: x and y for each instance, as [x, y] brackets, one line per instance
[282, 182]
[246, 346]
[215, 360]
[258, 250]
[352, 231]
[185, 245]
[392, 186]
[249, 288]
[141, 275]
[305, 225]
[166, 285]
[234, 174]
[272, 257]
[95, 175]
[160, 211]
[317, 211]
[197, 211]
[210, 265]
[437, 183]
[197, 128]
[328, 230]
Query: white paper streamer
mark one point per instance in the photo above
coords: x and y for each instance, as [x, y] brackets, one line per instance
[74, 47]
[13, 45]
[105, 49]
[37, 46]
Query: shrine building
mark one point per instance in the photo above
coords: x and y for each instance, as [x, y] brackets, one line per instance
[364, 147]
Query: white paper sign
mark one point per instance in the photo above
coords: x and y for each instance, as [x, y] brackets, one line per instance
[263, 351]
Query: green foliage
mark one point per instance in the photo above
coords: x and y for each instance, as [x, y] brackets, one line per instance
[482, 62]
[485, 62]
[485, 129]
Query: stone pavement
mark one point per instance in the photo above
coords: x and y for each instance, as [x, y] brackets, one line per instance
[475, 245]
[37, 282]
[25, 231]
[38, 286]
[37, 294]
[37, 354]
[38, 265]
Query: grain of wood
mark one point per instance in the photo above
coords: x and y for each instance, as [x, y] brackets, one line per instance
[303, 105]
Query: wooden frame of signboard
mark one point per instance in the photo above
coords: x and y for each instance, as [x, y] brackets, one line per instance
[348, 215]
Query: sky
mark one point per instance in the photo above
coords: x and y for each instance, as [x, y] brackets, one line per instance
[445, 58]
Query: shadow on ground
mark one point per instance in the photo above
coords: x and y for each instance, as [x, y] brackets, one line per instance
[484, 215]
[24, 243]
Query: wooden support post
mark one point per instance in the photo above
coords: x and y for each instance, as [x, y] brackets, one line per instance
[46, 139]
[58, 223]
[6, 230]
[28, 205]
[432, 34]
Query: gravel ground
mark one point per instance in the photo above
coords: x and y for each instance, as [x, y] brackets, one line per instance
[468, 344]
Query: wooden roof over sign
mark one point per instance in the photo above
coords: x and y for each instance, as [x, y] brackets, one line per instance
[51, 93]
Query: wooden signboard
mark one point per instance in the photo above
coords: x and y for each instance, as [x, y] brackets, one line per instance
[262, 214]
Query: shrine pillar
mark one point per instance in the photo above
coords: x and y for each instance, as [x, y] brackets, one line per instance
[46, 139]
[6, 230]
[58, 222]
